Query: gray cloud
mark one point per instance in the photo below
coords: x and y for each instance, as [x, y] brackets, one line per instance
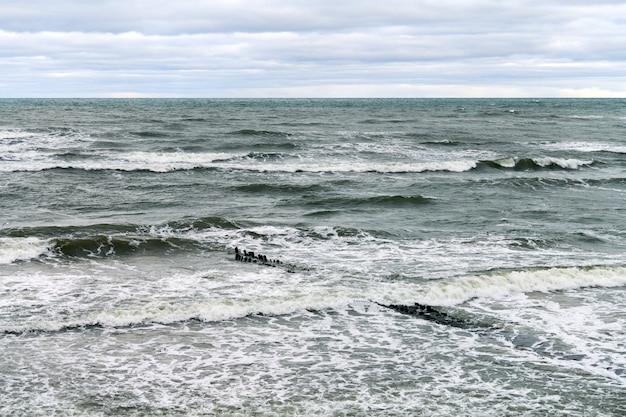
[193, 16]
[327, 48]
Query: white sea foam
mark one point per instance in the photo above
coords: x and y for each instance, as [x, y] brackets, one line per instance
[281, 294]
[30, 151]
[169, 161]
[579, 328]
[29, 160]
[137, 311]
[566, 163]
[27, 156]
[587, 117]
[165, 162]
[25, 151]
[134, 161]
[372, 363]
[506, 162]
[458, 290]
[14, 134]
[588, 147]
[562, 162]
[20, 249]
[360, 166]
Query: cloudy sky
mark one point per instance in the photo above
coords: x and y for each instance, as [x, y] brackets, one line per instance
[313, 48]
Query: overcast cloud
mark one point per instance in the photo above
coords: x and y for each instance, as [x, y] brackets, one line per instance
[303, 48]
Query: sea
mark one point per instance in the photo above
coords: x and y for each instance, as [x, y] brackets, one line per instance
[313, 257]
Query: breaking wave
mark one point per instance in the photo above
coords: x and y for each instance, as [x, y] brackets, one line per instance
[502, 284]
[534, 164]
[28, 151]
[169, 312]
[276, 162]
[444, 293]
[13, 249]
[105, 240]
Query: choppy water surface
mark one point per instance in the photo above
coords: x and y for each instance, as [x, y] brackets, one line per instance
[437, 257]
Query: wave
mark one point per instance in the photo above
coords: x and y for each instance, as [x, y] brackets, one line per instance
[384, 200]
[104, 245]
[14, 134]
[365, 167]
[383, 121]
[170, 161]
[25, 156]
[587, 147]
[264, 133]
[48, 152]
[194, 119]
[105, 240]
[443, 142]
[517, 164]
[501, 284]
[167, 311]
[196, 224]
[161, 162]
[150, 134]
[396, 200]
[96, 246]
[13, 249]
[235, 146]
[264, 156]
[586, 117]
[427, 297]
[534, 164]
[278, 188]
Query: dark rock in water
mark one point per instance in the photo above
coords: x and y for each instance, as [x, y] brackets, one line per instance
[261, 259]
[255, 258]
[433, 314]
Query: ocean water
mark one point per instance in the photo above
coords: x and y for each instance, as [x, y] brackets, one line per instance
[437, 257]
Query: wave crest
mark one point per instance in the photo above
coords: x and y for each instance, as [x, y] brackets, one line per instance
[502, 284]
[534, 164]
[13, 249]
[264, 133]
[104, 239]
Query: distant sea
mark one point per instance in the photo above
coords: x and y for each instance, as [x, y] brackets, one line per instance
[418, 257]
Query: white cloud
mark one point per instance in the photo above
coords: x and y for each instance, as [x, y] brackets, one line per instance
[592, 92]
[300, 48]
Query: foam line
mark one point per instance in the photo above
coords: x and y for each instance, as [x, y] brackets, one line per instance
[14, 249]
[502, 284]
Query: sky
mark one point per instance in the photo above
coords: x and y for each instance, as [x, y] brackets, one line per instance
[312, 48]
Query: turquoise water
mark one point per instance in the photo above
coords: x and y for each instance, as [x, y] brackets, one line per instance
[120, 293]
